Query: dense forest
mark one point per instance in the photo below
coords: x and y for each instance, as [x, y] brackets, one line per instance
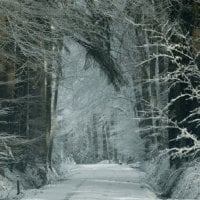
[93, 80]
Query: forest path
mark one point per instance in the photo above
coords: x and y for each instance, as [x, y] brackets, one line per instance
[98, 182]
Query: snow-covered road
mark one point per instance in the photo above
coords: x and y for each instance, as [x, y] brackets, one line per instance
[97, 182]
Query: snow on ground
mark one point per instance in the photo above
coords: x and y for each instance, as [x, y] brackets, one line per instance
[188, 186]
[32, 178]
[181, 183]
[96, 182]
[5, 187]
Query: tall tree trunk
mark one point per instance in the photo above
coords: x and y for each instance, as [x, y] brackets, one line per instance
[95, 138]
[108, 141]
[105, 149]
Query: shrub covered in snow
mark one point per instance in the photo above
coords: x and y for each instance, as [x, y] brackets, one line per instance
[189, 182]
[181, 183]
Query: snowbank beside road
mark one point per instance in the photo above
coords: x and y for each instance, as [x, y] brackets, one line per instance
[33, 177]
[188, 186]
[181, 183]
[5, 187]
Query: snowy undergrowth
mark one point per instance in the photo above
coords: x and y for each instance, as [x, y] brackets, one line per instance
[188, 186]
[66, 168]
[5, 187]
[182, 183]
[161, 177]
[34, 177]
